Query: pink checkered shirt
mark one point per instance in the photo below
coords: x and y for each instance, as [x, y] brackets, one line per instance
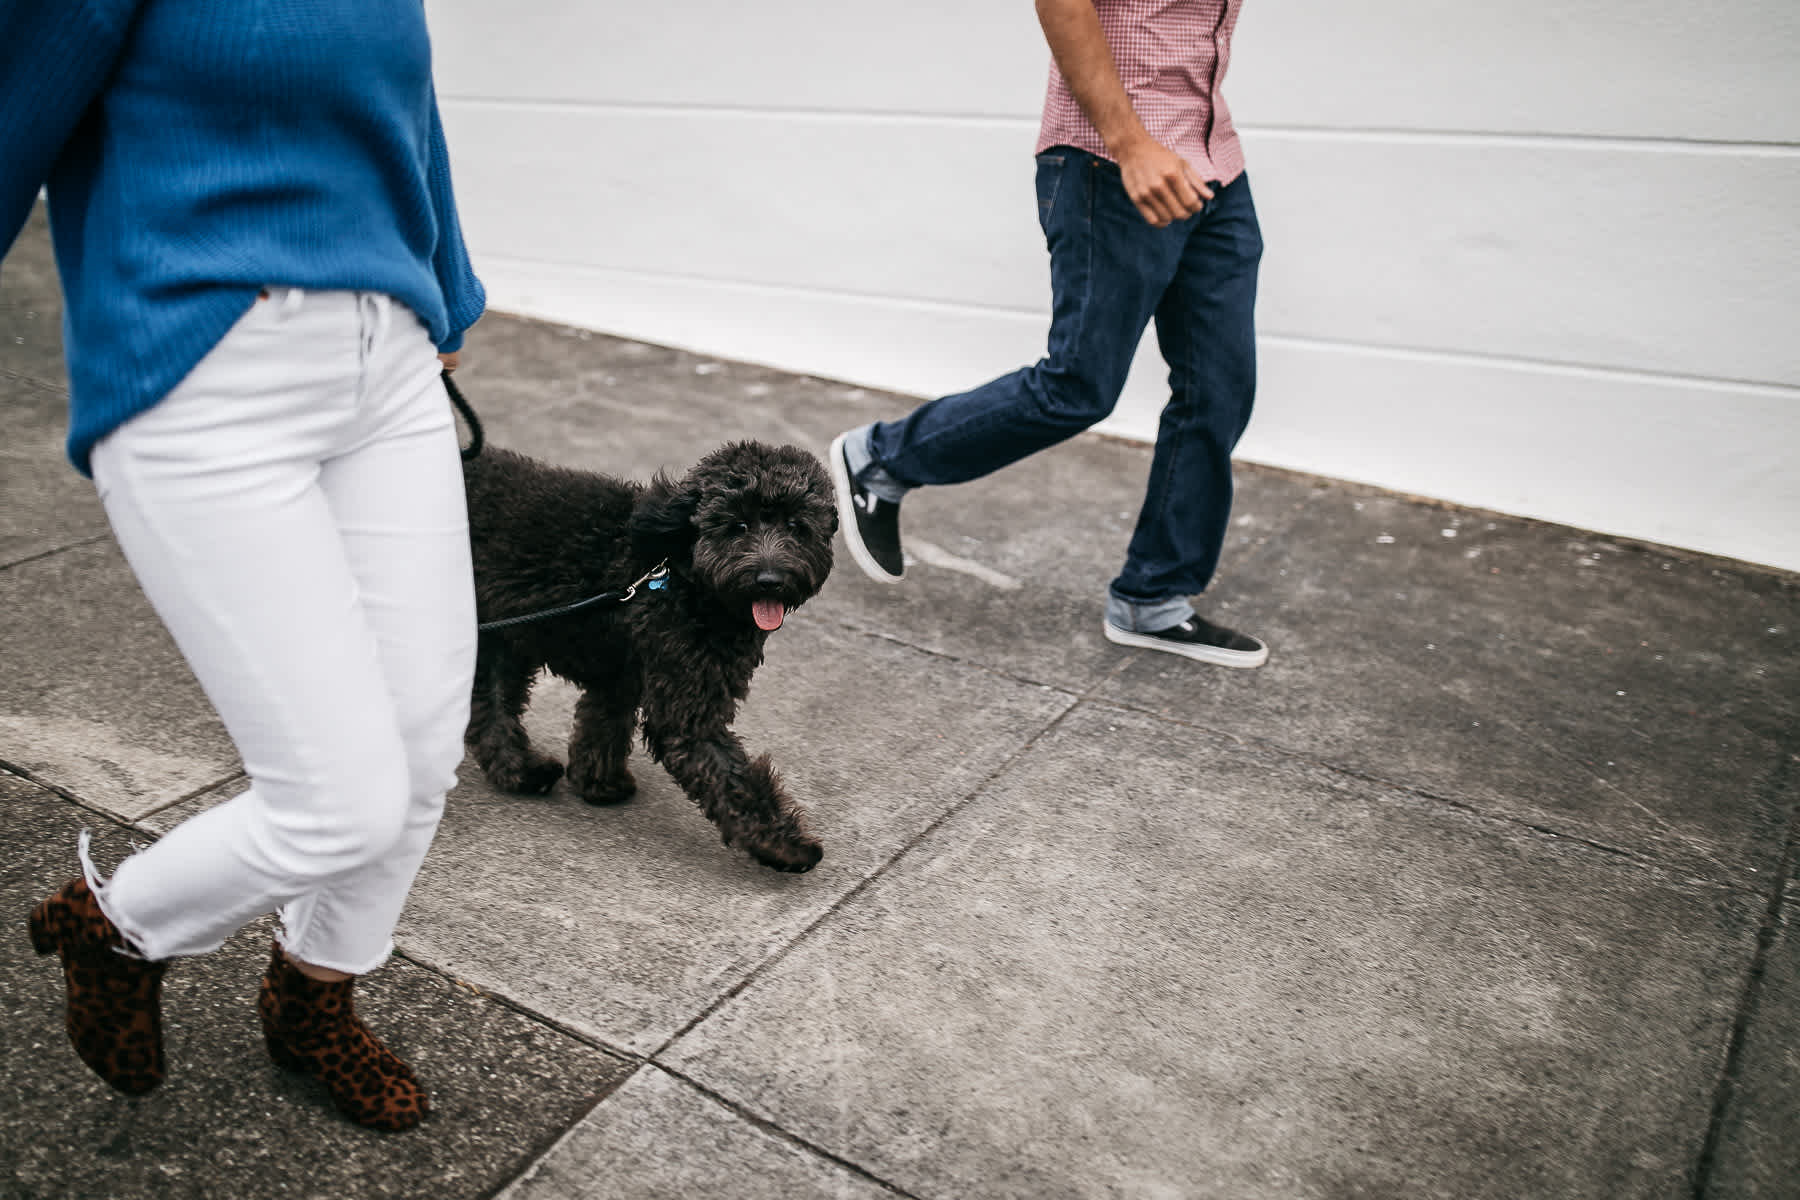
[1171, 56]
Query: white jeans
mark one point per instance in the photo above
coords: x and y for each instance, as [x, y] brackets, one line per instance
[294, 511]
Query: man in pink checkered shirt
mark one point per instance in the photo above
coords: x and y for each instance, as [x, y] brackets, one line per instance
[1147, 214]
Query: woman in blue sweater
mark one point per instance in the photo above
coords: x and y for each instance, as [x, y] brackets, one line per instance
[262, 268]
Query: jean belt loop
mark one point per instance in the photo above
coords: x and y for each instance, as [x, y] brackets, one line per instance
[384, 315]
[374, 313]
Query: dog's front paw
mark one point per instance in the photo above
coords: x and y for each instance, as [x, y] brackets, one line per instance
[532, 773]
[795, 854]
[613, 789]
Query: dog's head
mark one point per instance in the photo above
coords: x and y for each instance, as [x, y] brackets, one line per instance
[751, 523]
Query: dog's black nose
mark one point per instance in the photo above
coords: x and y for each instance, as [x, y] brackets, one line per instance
[770, 581]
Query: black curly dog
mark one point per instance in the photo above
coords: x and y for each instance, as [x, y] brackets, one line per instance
[746, 535]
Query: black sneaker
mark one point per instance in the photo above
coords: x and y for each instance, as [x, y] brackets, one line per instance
[871, 525]
[1198, 638]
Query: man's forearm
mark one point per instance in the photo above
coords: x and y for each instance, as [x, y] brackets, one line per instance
[1159, 182]
[1072, 27]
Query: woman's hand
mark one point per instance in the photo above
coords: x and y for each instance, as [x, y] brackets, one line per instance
[451, 359]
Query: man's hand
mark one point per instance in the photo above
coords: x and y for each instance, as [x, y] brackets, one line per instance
[1160, 182]
[451, 359]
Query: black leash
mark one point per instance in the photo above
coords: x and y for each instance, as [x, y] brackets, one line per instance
[476, 440]
[655, 579]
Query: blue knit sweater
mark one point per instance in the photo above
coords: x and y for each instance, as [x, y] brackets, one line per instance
[195, 151]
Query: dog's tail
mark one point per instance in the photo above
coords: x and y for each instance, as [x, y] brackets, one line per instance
[468, 414]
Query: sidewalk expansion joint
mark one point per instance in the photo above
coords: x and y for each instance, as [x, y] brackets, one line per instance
[636, 1062]
[537, 1018]
[58, 386]
[988, 669]
[1749, 1001]
[784, 1135]
[542, 1148]
[868, 881]
[74, 798]
[55, 550]
[191, 794]
[1250, 742]
[1472, 809]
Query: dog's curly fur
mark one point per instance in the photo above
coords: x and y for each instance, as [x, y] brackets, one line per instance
[749, 524]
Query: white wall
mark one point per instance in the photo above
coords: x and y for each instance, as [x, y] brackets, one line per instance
[1544, 261]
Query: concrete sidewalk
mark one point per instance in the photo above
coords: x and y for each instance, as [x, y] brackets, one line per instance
[1482, 887]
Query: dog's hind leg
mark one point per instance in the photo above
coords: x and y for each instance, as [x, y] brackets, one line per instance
[604, 723]
[496, 736]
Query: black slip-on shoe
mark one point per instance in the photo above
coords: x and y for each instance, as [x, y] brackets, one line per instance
[1197, 638]
[871, 525]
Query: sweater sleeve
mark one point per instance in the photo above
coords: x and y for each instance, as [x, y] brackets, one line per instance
[464, 297]
[54, 60]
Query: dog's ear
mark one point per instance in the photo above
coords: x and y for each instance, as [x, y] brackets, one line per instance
[662, 521]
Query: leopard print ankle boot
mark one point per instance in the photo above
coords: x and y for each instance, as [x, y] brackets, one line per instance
[311, 1025]
[114, 1013]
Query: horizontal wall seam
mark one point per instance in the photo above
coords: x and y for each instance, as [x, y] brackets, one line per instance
[1295, 341]
[1521, 362]
[780, 289]
[1524, 138]
[745, 112]
[1527, 140]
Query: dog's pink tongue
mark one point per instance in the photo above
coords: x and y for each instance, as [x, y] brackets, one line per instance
[768, 614]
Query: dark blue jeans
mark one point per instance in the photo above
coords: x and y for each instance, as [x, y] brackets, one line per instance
[1111, 273]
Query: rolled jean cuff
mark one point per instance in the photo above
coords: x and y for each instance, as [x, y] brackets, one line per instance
[1135, 617]
[287, 940]
[860, 460]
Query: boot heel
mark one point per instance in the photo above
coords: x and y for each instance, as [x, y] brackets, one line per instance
[43, 939]
[284, 1058]
[113, 1001]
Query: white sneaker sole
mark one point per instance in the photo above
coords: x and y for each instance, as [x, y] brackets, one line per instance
[840, 478]
[1216, 655]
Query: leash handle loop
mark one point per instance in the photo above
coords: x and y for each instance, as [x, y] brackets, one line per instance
[476, 438]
